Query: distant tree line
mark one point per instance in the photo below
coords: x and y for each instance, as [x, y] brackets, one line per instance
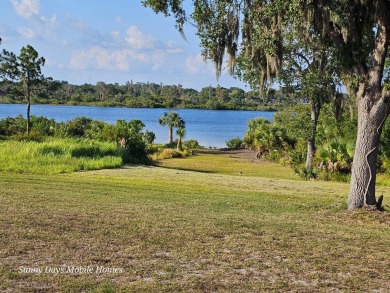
[145, 95]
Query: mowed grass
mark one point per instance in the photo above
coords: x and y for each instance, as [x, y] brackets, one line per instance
[234, 162]
[172, 230]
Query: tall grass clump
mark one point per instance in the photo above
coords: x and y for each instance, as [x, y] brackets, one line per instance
[55, 156]
[169, 154]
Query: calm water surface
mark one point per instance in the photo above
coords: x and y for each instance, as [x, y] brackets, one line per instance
[209, 127]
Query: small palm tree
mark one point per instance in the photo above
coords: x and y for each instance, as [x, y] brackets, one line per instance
[181, 132]
[171, 120]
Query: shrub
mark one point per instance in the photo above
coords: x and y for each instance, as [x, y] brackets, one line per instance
[234, 143]
[149, 137]
[306, 173]
[263, 134]
[42, 125]
[169, 154]
[135, 151]
[78, 126]
[170, 145]
[11, 126]
[191, 144]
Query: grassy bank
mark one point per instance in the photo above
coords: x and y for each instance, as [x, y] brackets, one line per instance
[55, 156]
[172, 230]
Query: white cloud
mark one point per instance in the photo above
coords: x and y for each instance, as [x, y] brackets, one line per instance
[196, 65]
[101, 58]
[115, 35]
[49, 22]
[173, 48]
[26, 33]
[118, 51]
[138, 40]
[158, 59]
[42, 26]
[26, 8]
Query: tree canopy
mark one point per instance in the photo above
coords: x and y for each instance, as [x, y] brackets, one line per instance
[24, 69]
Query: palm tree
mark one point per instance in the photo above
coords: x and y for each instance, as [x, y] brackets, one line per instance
[172, 120]
[181, 132]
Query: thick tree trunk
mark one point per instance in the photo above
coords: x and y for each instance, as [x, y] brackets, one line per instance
[311, 149]
[372, 100]
[311, 142]
[363, 177]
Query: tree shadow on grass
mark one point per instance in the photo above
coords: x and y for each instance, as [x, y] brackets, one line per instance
[184, 169]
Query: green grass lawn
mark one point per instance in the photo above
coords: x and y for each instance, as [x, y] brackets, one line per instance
[170, 230]
[235, 162]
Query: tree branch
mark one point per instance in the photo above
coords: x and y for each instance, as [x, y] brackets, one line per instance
[337, 37]
[375, 73]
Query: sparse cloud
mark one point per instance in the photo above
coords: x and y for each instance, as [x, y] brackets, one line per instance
[26, 8]
[173, 48]
[39, 25]
[138, 40]
[26, 33]
[118, 52]
[195, 65]
[115, 35]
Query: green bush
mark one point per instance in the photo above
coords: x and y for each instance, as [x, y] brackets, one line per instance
[191, 144]
[11, 126]
[149, 137]
[261, 133]
[234, 143]
[306, 173]
[78, 126]
[135, 151]
[42, 125]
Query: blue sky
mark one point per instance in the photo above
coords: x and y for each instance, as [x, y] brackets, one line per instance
[87, 41]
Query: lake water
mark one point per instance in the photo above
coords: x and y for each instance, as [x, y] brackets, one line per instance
[208, 127]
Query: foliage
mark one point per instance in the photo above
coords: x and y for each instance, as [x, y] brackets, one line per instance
[78, 126]
[181, 133]
[167, 153]
[143, 95]
[11, 126]
[296, 121]
[335, 141]
[25, 70]
[129, 133]
[149, 137]
[191, 144]
[234, 143]
[268, 136]
[306, 173]
[171, 120]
